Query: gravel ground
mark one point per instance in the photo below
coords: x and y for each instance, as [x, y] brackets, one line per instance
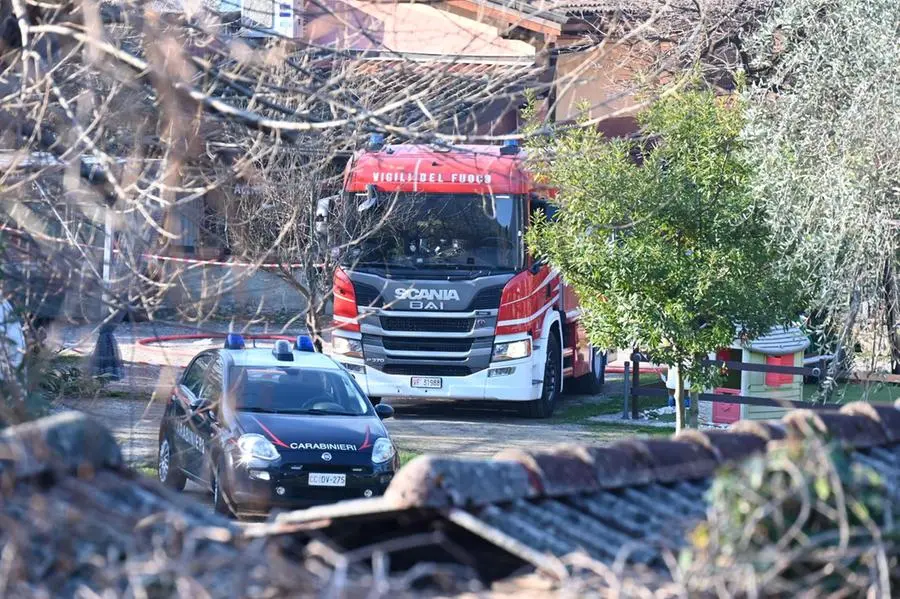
[444, 427]
[132, 411]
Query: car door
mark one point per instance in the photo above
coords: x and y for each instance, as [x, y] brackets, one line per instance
[185, 399]
[205, 417]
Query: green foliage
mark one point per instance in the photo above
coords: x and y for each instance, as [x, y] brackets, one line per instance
[827, 142]
[804, 515]
[60, 379]
[668, 254]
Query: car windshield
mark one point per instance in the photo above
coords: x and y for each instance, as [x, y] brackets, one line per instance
[446, 231]
[285, 389]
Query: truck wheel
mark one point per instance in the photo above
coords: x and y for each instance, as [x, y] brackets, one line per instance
[170, 473]
[590, 383]
[543, 407]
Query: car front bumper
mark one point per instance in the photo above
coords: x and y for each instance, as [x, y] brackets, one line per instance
[291, 491]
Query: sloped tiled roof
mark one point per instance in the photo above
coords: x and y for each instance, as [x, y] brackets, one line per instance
[779, 341]
[81, 518]
[633, 500]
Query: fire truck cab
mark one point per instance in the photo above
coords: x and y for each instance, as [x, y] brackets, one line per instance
[442, 300]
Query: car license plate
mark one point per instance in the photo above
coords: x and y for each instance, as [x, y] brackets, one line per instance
[320, 479]
[426, 382]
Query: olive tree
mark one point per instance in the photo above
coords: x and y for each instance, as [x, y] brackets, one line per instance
[661, 236]
[823, 130]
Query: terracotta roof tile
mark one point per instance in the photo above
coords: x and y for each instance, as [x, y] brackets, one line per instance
[430, 481]
[675, 460]
[726, 445]
[770, 431]
[621, 465]
[562, 471]
[886, 416]
[854, 429]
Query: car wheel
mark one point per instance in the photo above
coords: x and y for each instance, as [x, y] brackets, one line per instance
[543, 407]
[169, 472]
[220, 505]
[590, 383]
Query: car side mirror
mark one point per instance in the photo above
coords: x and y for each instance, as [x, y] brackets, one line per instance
[384, 411]
[535, 267]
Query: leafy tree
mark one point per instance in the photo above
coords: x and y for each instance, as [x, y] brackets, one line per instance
[823, 130]
[667, 251]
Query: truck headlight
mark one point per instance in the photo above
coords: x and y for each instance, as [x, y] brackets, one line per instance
[257, 446]
[512, 350]
[382, 451]
[343, 346]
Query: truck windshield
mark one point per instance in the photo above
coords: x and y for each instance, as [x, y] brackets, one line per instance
[447, 231]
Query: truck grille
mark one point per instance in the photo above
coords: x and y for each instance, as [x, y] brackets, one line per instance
[366, 295]
[427, 325]
[426, 345]
[487, 299]
[427, 370]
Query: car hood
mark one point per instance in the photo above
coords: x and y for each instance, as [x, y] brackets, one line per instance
[304, 438]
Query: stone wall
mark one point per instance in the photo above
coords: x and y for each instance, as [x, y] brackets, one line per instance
[233, 290]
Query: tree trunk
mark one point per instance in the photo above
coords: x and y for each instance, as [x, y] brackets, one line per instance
[317, 322]
[892, 314]
[679, 399]
[694, 410]
[836, 365]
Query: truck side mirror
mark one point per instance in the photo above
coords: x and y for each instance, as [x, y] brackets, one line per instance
[548, 208]
[323, 206]
[535, 267]
[371, 198]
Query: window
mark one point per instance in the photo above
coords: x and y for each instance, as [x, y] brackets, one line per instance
[776, 379]
[193, 376]
[732, 377]
[296, 390]
[441, 231]
[212, 384]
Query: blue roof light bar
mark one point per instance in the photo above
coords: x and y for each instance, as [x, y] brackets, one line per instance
[234, 341]
[305, 343]
[510, 147]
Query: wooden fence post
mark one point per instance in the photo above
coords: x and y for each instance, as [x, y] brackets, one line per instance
[635, 383]
[626, 392]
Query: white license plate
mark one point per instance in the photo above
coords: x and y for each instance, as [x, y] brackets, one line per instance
[426, 382]
[320, 479]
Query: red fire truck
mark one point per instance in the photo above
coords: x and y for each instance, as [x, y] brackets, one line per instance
[443, 299]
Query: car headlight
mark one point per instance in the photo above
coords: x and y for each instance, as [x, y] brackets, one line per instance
[382, 451]
[512, 350]
[257, 446]
[343, 346]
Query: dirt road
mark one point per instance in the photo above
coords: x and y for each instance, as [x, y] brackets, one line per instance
[440, 428]
[448, 428]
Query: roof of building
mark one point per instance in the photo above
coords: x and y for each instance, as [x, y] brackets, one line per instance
[778, 341]
[551, 16]
[451, 524]
[630, 502]
[402, 28]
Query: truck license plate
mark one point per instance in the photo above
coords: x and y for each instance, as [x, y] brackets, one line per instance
[320, 479]
[426, 382]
